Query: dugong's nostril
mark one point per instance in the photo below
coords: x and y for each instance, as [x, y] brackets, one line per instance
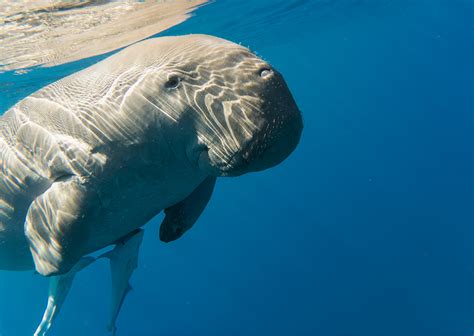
[265, 72]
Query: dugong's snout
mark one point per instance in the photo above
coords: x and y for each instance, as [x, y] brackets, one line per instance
[280, 130]
[269, 131]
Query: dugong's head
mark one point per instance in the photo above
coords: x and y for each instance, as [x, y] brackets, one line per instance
[237, 108]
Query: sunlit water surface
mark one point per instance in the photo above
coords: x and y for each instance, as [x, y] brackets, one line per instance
[367, 229]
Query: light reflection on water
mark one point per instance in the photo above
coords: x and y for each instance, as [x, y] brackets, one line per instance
[50, 33]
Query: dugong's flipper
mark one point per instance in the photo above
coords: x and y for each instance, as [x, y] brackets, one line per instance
[123, 261]
[53, 226]
[182, 216]
[58, 289]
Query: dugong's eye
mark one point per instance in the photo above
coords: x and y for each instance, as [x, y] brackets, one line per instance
[173, 82]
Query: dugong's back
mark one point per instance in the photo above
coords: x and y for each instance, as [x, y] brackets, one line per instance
[43, 138]
[19, 182]
[55, 133]
[61, 131]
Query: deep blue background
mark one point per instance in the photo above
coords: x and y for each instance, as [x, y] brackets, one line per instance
[366, 230]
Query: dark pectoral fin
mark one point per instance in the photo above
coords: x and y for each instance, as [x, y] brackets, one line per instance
[182, 216]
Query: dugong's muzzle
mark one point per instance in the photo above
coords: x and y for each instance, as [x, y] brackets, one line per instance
[278, 128]
[280, 132]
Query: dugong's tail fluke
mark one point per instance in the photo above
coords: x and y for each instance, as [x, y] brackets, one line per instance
[58, 289]
[112, 329]
[116, 308]
[123, 261]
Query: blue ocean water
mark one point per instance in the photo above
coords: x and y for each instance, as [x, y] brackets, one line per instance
[366, 230]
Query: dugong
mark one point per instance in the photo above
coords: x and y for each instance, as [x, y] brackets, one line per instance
[85, 162]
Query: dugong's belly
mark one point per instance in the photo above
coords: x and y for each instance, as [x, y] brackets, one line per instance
[130, 197]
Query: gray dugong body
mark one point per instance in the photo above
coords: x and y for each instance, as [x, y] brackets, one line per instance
[87, 160]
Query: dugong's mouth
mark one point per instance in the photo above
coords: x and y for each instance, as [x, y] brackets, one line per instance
[207, 162]
[204, 162]
[266, 149]
[257, 155]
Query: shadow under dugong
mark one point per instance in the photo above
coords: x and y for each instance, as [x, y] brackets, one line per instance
[88, 160]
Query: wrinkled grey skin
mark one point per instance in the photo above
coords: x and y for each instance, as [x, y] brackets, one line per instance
[93, 157]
